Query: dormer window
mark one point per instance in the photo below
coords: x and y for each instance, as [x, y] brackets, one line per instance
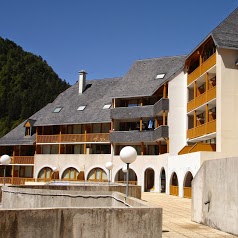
[107, 106]
[81, 108]
[57, 109]
[29, 128]
[160, 76]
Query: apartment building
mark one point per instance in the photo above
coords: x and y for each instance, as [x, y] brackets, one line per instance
[175, 111]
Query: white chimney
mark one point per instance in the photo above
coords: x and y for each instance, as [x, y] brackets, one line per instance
[82, 81]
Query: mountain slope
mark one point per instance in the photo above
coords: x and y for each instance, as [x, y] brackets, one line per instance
[27, 83]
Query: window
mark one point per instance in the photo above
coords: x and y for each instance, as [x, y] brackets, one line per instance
[160, 76]
[107, 106]
[57, 109]
[81, 108]
[70, 174]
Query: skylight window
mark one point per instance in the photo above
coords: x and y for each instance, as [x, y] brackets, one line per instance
[81, 108]
[57, 109]
[107, 106]
[160, 76]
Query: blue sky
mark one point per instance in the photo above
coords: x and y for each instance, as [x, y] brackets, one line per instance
[105, 37]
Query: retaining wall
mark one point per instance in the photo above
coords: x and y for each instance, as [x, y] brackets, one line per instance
[215, 195]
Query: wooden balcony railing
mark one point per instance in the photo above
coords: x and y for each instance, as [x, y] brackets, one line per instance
[8, 180]
[187, 192]
[130, 182]
[174, 190]
[201, 69]
[202, 99]
[23, 159]
[201, 130]
[92, 137]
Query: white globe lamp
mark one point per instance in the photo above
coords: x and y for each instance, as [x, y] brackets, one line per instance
[5, 160]
[128, 155]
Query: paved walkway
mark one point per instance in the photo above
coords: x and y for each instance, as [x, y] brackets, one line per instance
[177, 218]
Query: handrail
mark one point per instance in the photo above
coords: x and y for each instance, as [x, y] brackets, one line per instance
[201, 99]
[201, 69]
[201, 130]
[90, 137]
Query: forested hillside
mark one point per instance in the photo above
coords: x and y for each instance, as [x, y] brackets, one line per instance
[27, 83]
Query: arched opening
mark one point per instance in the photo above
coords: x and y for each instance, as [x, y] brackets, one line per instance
[162, 181]
[70, 174]
[174, 188]
[149, 179]
[121, 177]
[97, 175]
[187, 185]
[45, 174]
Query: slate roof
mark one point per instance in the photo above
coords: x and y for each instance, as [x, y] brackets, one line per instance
[141, 78]
[17, 137]
[94, 98]
[225, 34]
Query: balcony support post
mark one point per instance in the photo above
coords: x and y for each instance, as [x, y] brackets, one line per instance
[85, 139]
[194, 119]
[13, 161]
[164, 91]
[141, 124]
[60, 141]
[164, 117]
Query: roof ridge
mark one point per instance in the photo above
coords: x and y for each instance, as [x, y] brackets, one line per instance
[162, 57]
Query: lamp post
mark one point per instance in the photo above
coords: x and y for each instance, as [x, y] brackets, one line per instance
[109, 166]
[5, 160]
[54, 170]
[128, 155]
[124, 170]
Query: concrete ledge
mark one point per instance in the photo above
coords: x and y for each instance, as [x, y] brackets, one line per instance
[134, 190]
[69, 213]
[82, 222]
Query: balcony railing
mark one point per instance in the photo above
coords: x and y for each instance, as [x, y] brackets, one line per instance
[201, 69]
[71, 138]
[23, 159]
[202, 99]
[201, 130]
[140, 111]
[174, 190]
[187, 192]
[139, 136]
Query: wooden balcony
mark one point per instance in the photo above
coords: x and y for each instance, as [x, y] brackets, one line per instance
[72, 138]
[187, 192]
[201, 69]
[202, 99]
[201, 130]
[174, 190]
[23, 160]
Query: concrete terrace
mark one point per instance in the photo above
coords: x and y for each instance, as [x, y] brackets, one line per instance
[177, 218]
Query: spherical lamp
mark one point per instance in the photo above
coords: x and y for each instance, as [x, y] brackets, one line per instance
[128, 154]
[124, 169]
[5, 160]
[109, 165]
